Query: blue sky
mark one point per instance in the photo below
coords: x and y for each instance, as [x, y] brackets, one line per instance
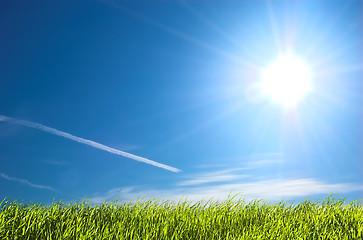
[171, 81]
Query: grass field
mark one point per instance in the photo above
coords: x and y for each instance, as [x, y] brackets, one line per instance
[332, 218]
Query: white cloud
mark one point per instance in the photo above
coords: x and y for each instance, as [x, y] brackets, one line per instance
[26, 182]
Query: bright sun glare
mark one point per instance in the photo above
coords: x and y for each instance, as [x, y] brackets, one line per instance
[287, 80]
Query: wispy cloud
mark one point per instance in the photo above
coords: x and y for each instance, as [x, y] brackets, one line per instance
[57, 163]
[213, 177]
[210, 166]
[87, 142]
[261, 163]
[263, 159]
[113, 194]
[26, 182]
[248, 161]
[272, 189]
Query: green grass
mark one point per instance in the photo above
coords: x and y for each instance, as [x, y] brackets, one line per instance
[332, 218]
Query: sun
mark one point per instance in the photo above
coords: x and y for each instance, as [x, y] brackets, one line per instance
[287, 80]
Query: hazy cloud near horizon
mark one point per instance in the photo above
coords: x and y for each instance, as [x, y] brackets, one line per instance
[272, 189]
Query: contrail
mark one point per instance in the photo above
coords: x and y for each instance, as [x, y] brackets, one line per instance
[86, 141]
[26, 182]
